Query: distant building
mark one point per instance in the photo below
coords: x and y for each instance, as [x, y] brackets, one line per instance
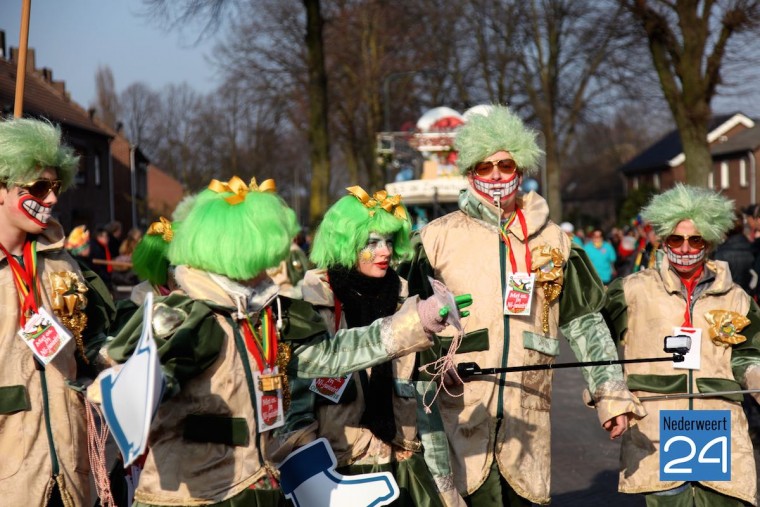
[116, 180]
[734, 145]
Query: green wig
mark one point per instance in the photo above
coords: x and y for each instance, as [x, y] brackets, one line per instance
[345, 229]
[29, 146]
[150, 260]
[235, 238]
[711, 213]
[499, 130]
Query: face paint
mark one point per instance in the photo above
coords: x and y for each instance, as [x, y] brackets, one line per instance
[375, 257]
[489, 188]
[37, 211]
[685, 260]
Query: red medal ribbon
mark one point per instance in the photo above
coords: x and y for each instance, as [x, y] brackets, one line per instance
[263, 349]
[508, 242]
[25, 279]
[690, 284]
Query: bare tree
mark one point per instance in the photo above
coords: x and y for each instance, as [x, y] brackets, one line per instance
[107, 106]
[689, 41]
[139, 112]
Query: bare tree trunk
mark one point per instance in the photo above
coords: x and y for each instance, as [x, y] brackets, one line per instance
[318, 132]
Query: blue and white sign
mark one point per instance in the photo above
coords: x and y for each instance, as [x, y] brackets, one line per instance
[695, 445]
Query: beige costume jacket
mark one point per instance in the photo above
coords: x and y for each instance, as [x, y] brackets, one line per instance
[645, 307]
[463, 250]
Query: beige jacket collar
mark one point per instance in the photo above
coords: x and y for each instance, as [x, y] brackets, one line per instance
[225, 292]
[534, 208]
[718, 270]
[52, 238]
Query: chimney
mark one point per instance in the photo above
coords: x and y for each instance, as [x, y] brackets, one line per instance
[47, 74]
[2, 45]
[91, 113]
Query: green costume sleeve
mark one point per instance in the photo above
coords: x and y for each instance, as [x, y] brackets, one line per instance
[316, 354]
[186, 349]
[583, 291]
[417, 271]
[100, 311]
[747, 353]
[615, 310]
[581, 322]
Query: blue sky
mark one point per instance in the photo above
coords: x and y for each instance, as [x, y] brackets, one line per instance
[74, 37]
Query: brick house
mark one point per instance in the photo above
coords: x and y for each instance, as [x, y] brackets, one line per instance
[115, 180]
[734, 144]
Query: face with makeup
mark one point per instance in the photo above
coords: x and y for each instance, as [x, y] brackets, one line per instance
[375, 257]
[27, 212]
[685, 248]
[496, 175]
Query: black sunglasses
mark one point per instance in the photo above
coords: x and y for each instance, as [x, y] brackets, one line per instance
[41, 188]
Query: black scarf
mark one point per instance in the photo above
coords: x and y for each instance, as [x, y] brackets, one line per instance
[364, 300]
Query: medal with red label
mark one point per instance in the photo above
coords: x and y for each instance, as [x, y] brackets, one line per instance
[330, 388]
[44, 335]
[267, 381]
[269, 411]
[519, 293]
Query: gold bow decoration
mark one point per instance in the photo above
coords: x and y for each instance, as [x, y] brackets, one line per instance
[548, 263]
[381, 199]
[68, 301]
[238, 187]
[161, 228]
[724, 327]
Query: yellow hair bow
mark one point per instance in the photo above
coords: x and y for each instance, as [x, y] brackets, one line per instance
[238, 187]
[163, 227]
[391, 204]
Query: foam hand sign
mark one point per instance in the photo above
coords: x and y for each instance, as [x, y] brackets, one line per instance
[131, 395]
[308, 479]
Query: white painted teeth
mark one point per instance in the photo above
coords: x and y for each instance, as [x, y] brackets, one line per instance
[37, 210]
[685, 260]
[491, 188]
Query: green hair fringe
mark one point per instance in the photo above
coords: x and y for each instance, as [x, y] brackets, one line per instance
[29, 146]
[500, 130]
[711, 213]
[345, 229]
[237, 241]
[150, 259]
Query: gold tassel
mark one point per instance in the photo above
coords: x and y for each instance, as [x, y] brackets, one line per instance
[283, 358]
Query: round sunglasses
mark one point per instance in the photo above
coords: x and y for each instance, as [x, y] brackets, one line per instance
[506, 166]
[676, 240]
[41, 188]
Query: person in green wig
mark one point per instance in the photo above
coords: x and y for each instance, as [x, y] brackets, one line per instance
[687, 294]
[43, 432]
[528, 284]
[228, 342]
[370, 425]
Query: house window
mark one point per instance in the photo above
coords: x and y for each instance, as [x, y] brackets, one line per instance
[656, 181]
[724, 183]
[711, 180]
[635, 182]
[80, 178]
[97, 170]
[743, 173]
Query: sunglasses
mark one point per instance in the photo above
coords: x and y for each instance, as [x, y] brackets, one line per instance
[676, 240]
[505, 166]
[41, 188]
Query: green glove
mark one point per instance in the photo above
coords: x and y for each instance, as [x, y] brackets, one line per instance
[462, 301]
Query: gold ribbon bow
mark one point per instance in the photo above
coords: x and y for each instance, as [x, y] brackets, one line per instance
[238, 187]
[161, 228]
[69, 301]
[725, 326]
[547, 264]
[381, 199]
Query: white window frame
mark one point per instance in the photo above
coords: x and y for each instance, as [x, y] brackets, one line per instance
[725, 181]
[743, 173]
[711, 180]
[656, 181]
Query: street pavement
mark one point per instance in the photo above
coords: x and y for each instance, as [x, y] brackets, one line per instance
[585, 462]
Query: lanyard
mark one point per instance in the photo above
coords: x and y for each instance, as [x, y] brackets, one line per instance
[25, 279]
[263, 347]
[505, 238]
[690, 284]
